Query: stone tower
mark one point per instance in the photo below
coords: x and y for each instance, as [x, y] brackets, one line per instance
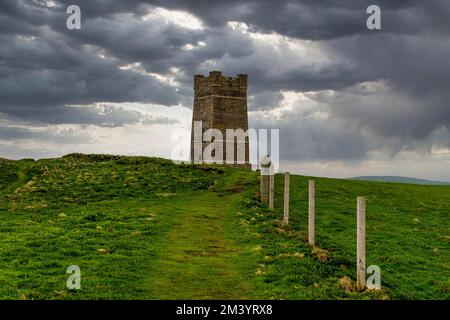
[221, 103]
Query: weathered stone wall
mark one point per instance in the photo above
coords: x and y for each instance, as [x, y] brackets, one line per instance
[221, 103]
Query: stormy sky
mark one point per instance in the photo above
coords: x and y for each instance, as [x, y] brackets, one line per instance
[348, 100]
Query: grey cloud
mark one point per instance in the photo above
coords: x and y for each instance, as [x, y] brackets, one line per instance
[264, 100]
[51, 73]
[103, 116]
[305, 138]
[11, 133]
[329, 19]
[41, 78]
[20, 152]
[352, 123]
[38, 75]
[158, 120]
[415, 69]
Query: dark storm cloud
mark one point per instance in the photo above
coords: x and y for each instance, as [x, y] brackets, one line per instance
[312, 19]
[410, 51]
[42, 69]
[120, 57]
[416, 69]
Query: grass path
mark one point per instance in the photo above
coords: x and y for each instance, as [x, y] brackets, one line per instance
[169, 243]
[199, 259]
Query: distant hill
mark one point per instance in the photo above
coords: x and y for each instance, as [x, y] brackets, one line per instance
[400, 180]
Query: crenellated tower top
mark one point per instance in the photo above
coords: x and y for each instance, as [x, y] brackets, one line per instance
[217, 84]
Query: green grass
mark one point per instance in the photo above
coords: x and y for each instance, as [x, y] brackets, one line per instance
[145, 228]
[407, 236]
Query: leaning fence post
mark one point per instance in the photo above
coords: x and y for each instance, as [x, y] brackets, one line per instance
[271, 187]
[265, 177]
[361, 244]
[286, 198]
[312, 212]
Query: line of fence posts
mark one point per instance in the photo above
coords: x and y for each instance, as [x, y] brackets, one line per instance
[268, 196]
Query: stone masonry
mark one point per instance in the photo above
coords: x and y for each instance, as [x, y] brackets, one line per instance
[221, 103]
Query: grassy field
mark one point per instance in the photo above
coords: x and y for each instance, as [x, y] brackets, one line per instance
[145, 228]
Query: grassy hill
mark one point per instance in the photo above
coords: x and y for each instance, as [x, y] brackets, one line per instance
[145, 228]
[400, 179]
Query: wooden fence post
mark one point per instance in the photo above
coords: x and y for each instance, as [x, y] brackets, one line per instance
[312, 212]
[271, 188]
[286, 198]
[361, 244]
[264, 179]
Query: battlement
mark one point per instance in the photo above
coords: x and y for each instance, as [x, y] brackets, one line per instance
[217, 84]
